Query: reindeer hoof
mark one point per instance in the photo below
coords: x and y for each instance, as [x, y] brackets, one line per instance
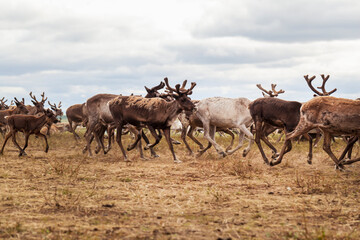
[146, 147]
[127, 160]
[273, 163]
[177, 161]
[275, 155]
[222, 154]
[155, 156]
[245, 153]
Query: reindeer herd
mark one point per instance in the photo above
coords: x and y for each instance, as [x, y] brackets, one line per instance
[117, 115]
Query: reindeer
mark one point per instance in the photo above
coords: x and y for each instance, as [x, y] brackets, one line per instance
[76, 115]
[333, 116]
[155, 112]
[218, 112]
[28, 124]
[284, 114]
[190, 122]
[38, 106]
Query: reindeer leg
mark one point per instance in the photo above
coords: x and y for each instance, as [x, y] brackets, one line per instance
[348, 147]
[156, 136]
[309, 138]
[5, 140]
[72, 130]
[26, 142]
[229, 132]
[13, 137]
[118, 140]
[46, 142]
[183, 137]
[327, 149]
[152, 151]
[137, 140]
[258, 133]
[168, 139]
[286, 148]
[191, 136]
[250, 137]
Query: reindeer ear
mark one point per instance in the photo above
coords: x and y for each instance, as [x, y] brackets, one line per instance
[147, 89]
[33, 102]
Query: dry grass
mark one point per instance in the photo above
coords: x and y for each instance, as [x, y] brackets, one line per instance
[67, 195]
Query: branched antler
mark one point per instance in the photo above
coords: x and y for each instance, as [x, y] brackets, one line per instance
[270, 93]
[33, 97]
[317, 93]
[177, 88]
[43, 99]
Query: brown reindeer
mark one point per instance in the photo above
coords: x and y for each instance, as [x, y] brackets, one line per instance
[28, 124]
[269, 113]
[155, 112]
[334, 116]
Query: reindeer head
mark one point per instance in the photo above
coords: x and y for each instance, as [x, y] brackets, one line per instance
[51, 118]
[20, 107]
[181, 94]
[153, 92]
[58, 112]
[317, 93]
[39, 105]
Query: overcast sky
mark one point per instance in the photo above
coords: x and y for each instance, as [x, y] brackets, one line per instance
[74, 49]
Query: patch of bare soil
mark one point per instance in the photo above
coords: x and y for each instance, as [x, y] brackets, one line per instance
[65, 194]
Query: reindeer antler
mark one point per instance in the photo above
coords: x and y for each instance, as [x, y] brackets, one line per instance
[276, 93]
[18, 102]
[166, 80]
[177, 88]
[52, 105]
[270, 93]
[323, 86]
[59, 105]
[324, 92]
[43, 99]
[2, 100]
[33, 97]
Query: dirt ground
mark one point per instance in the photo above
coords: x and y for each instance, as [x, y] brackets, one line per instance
[65, 194]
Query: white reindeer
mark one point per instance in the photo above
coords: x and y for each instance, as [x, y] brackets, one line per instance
[225, 113]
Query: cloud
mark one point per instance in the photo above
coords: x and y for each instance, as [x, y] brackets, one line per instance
[282, 21]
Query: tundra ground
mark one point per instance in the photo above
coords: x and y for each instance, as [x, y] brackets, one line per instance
[65, 194]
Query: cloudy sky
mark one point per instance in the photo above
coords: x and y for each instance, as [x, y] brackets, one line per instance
[73, 50]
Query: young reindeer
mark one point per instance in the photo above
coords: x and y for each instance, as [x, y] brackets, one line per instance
[28, 124]
[155, 112]
[278, 113]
